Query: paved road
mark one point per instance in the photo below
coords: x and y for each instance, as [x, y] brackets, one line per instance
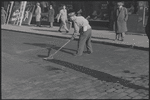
[109, 73]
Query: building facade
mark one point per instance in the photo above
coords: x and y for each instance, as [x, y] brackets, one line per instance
[100, 12]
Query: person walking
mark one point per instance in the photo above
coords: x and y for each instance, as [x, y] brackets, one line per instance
[81, 25]
[147, 30]
[51, 13]
[38, 15]
[121, 17]
[3, 16]
[63, 16]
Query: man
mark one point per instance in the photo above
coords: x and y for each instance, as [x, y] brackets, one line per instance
[147, 29]
[38, 15]
[81, 25]
[121, 17]
[63, 16]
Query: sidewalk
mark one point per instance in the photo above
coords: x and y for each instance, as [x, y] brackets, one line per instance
[102, 36]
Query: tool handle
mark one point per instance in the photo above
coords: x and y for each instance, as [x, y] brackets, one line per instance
[61, 47]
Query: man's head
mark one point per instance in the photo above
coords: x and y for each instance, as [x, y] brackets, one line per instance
[63, 6]
[120, 3]
[50, 6]
[72, 16]
[37, 4]
[2, 8]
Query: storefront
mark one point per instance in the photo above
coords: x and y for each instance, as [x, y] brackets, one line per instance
[99, 13]
[19, 12]
[56, 6]
[138, 15]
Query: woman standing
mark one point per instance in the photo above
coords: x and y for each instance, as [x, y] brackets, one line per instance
[121, 17]
[3, 15]
[51, 14]
[38, 15]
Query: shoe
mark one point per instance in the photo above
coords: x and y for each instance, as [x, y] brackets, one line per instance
[89, 52]
[77, 55]
[115, 39]
[122, 39]
[59, 31]
[67, 31]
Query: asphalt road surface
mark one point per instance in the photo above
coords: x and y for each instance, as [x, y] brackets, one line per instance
[111, 72]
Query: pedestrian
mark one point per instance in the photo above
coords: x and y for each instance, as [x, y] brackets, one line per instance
[51, 13]
[121, 17]
[81, 25]
[38, 15]
[63, 16]
[147, 30]
[3, 16]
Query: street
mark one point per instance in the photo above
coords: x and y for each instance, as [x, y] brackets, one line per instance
[111, 72]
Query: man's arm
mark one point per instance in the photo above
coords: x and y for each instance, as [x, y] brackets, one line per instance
[58, 16]
[126, 14]
[66, 15]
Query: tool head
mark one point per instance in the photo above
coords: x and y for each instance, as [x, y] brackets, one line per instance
[51, 57]
[48, 58]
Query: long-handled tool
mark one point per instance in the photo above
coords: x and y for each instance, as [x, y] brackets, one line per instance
[51, 56]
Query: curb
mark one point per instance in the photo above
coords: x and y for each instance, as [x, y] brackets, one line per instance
[93, 40]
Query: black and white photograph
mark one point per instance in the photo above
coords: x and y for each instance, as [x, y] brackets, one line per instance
[75, 49]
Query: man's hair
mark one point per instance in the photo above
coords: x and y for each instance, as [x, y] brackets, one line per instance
[120, 2]
[63, 5]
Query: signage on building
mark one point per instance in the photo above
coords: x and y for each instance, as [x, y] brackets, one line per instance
[17, 12]
[104, 6]
[28, 14]
[143, 3]
[22, 9]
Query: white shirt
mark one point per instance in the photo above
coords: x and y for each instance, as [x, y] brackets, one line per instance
[79, 23]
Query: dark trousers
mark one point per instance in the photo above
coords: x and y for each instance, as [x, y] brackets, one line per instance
[84, 39]
[38, 23]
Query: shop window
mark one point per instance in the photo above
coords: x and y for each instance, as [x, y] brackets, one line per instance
[132, 7]
[100, 12]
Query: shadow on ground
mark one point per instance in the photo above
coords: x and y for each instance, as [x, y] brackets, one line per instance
[121, 45]
[94, 73]
[50, 47]
[97, 74]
